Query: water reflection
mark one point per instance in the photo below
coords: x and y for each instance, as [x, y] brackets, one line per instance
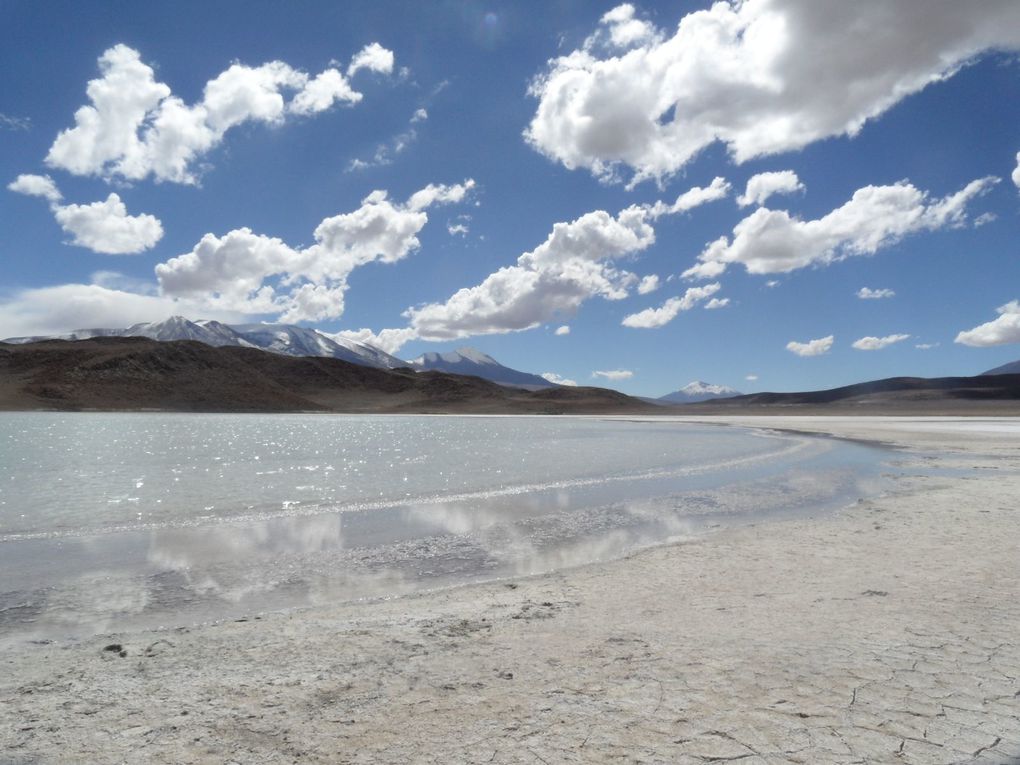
[144, 578]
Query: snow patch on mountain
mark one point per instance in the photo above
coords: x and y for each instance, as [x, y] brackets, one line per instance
[699, 391]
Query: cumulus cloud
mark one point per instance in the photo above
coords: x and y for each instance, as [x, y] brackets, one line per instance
[373, 57]
[1004, 330]
[773, 241]
[648, 284]
[36, 186]
[556, 379]
[134, 127]
[714, 303]
[653, 318]
[719, 188]
[562, 330]
[811, 347]
[571, 266]
[877, 343]
[866, 293]
[233, 271]
[106, 227]
[761, 76]
[613, 374]
[1016, 171]
[389, 340]
[763, 185]
[575, 263]
[103, 227]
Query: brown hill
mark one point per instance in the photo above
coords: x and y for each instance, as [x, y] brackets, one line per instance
[136, 373]
[998, 394]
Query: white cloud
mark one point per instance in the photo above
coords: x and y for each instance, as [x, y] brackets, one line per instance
[555, 378]
[439, 194]
[574, 264]
[811, 347]
[457, 229]
[389, 340]
[866, 293]
[8, 122]
[716, 303]
[927, 346]
[36, 186]
[134, 127]
[614, 374]
[763, 185]
[761, 76]
[562, 330]
[877, 343]
[373, 57]
[751, 378]
[232, 272]
[696, 196]
[321, 92]
[103, 227]
[59, 309]
[420, 115]
[653, 318]
[773, 241]
[1003, 330]
[571, 266]
[648, 284]
[1016, 171]
[106, 227]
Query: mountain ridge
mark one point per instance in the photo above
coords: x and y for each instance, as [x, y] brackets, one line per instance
[139, 373]
[471, 361]
[697, 391]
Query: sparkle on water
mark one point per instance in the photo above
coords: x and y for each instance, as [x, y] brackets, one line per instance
[121, 521]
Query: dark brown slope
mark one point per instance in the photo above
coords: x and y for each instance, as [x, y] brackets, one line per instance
[951, 395]
[137, 373]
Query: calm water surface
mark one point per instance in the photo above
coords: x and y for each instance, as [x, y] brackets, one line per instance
[123, 521]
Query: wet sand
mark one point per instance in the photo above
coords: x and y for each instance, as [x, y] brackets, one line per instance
[885, 633]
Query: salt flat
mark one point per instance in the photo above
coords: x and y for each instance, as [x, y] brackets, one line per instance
[885, 633]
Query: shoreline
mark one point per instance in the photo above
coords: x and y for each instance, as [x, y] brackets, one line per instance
[885, 633]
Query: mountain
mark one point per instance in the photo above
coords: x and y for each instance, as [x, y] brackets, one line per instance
[698, 391]
[133, 373]
[469, 361]
[894, 394]
[285, 339]
[1012, 368]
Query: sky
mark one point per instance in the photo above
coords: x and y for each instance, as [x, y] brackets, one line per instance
[768, 194]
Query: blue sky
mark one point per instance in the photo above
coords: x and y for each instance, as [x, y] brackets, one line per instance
[427, 176]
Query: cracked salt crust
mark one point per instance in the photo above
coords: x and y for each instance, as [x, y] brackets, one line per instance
[887, 633]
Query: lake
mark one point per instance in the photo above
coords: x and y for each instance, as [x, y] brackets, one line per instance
[145, 520]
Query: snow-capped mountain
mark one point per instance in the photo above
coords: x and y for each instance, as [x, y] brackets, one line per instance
[698, 391]
[470, 361]
[285, 339]
[179, 328]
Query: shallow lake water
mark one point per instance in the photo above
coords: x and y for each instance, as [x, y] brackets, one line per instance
[125, 521]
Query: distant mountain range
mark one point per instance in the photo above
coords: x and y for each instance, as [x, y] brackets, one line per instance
[698, 391]
[290, 340]
[138, 373]
[1012, 368]
[468, 361]
[285, 339]
[927, 395]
